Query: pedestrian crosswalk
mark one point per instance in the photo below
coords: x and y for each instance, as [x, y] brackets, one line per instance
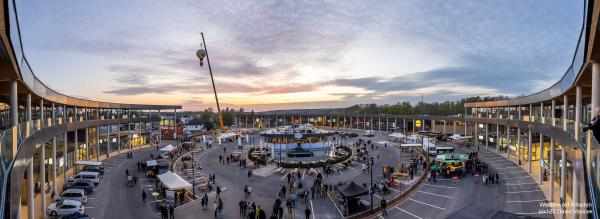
[264, 171]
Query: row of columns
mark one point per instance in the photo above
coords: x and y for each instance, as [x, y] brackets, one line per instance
[30, 184]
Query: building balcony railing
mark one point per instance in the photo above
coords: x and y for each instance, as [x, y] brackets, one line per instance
[11, 138]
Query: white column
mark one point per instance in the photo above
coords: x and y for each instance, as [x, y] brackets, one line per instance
[87, 144]
[518, 145]
[541, 157]
[578, 97]
[177, 120]
[65, 155]
[575, 194]
[97, 143]
[43, 177]
[553, 112]
[497, 139]
[454, 128]
[565, 111]
[444, 127]
[108, 149]
[551, 175]
[531, 113]
[507, 140]
[119, 137]
[529, 151]
[542, 112]
[30, 191]
[76, 140]
[413, 125]
[379, 123]
[54, 163]
[14, 105]
[595, 87]
[487, 138]
[563, 177]
[160, 128]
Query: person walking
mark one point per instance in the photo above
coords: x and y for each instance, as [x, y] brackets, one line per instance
[383, 206]
[307, 212]
[171, 212]
[216, 206]
[144, 195]
[218, 192]
[163, 212]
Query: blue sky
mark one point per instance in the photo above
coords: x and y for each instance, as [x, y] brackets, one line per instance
[298, 54]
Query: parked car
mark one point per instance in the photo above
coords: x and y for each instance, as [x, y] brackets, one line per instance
[97, 169]
[89, 176]
[87, 186]
[77, 216]
[73, 194]
[65, 207]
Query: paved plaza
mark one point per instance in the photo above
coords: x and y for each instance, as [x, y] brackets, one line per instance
[516, 193]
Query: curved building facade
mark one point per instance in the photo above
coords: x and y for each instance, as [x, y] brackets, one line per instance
[541, 132]
[43, 132]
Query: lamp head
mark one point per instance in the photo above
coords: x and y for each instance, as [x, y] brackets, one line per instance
[201, 53]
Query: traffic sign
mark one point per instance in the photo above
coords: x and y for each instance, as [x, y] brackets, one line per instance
[418, 123]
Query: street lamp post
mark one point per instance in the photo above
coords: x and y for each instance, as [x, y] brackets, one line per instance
[371, 190]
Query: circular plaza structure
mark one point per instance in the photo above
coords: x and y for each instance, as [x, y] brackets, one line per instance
[299, 143]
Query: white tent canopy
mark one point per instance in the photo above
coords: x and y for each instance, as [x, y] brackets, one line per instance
[151, 163]
[168, 148]
[173, 181]
[227, 135]
[88, 163]
[411, 145]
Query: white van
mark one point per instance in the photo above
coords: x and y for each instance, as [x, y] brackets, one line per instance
[89, 176]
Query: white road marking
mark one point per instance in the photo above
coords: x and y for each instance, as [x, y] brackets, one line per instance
[525, 191]
[284, 175]
[429, 193]
[420, 202]
[312, 209]
[411, 214]
[519, 201]
[448, 187]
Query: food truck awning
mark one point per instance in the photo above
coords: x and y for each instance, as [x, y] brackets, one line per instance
[168, 148]
[151, 163]
[88, 163]
[173, 181]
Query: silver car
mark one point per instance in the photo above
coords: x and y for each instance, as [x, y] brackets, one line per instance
[74, 194]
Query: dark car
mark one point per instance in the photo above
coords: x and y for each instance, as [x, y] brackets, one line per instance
[87, 186]
[97, 169]
[77, 216]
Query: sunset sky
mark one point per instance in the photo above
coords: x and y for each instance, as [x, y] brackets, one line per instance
[295, 54]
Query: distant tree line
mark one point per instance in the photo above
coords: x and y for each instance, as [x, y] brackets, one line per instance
[421, 108]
